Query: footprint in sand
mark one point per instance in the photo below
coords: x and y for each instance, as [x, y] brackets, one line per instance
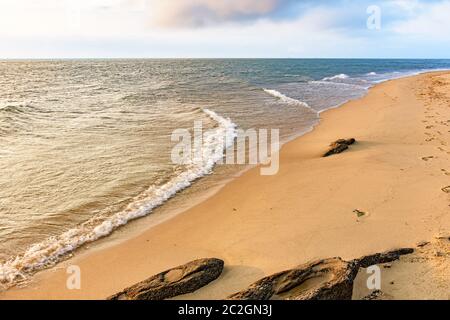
[445, 172]
[427, 158]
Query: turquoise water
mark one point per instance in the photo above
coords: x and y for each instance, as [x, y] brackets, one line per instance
[85, 144]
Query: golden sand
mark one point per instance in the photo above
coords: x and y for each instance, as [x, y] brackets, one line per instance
[264, 224]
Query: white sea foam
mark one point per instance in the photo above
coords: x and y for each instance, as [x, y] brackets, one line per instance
[52, 250]
[287, 99]
[337, 84]
[341, 76]
[372, 74]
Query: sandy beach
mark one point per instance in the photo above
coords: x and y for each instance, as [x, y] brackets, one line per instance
[260, 225]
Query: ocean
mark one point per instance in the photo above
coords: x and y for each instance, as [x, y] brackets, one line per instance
[86, 144]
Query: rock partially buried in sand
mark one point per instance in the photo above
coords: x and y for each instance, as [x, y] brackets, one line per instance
[320, 280]
[360, 213]
[378, 295]
[174, 282]
[339, 146]
[330, 279]
[381, 258]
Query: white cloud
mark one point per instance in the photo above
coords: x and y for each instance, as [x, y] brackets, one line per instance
[310, 35]
[429, 21]
[134, 28]
[406, 6]
[57, 18]
[176, 13]
[113, 17]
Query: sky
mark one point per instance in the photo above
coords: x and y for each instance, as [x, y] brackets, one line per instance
[224, 29]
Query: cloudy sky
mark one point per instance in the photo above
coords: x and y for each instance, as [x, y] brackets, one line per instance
[224, 28]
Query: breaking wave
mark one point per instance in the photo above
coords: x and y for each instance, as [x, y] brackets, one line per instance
[47, 253]
[287, 99]
[341, 76]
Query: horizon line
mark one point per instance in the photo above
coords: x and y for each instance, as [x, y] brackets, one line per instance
[216, 58]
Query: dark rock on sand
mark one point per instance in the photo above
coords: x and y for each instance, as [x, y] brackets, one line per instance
[378, 295]
[329, 279]
[339, 146]
[360, 213]
[174, 282]
[381, 258]
[422, 244]
[375, 295]
[348, 142]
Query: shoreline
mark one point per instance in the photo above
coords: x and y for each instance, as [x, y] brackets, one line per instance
[237, 238]
[186, 198]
